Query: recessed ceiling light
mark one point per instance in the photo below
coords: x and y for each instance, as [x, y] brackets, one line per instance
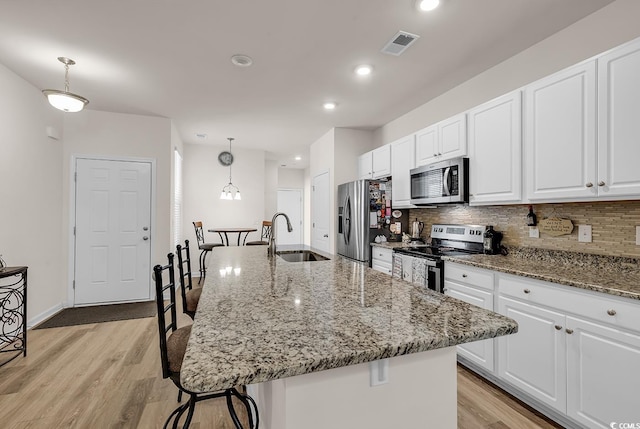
[329, 105]
[298, 158]
[363, 70]
[427, 5]
[241, 60]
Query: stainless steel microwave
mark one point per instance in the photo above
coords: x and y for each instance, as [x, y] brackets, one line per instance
[440, 183]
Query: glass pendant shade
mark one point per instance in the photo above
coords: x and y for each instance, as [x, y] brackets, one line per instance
[65, 101]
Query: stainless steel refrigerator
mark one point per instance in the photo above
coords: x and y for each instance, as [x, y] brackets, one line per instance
[361, 209]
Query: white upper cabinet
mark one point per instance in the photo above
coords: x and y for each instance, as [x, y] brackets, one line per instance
[560, 135]
[444, 140]
[375, 164]
[402, 161]
[619, 122]
[495, 151]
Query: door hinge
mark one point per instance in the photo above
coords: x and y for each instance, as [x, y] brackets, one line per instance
[74, 285]
[74, 230]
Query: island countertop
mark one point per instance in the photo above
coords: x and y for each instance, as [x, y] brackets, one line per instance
[261, 319]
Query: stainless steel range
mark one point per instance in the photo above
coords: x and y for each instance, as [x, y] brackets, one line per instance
[423, 265]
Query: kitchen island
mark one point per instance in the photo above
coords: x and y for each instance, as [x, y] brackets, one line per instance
[330, 343]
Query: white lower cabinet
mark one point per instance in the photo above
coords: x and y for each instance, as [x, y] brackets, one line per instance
[473, 286]
[603, 376]
[381, 259]
[534, 359]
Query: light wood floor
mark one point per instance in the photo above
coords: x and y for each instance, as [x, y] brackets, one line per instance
[107, 375]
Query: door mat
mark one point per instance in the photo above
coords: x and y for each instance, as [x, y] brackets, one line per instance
[99, 314]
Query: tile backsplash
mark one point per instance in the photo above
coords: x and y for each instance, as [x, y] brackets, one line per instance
[613, 224]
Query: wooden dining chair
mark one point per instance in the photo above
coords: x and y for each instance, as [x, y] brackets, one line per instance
[190, 295]
[204, 248]
[173, 345]
[264, 235]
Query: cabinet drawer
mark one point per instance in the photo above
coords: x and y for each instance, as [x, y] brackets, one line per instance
[620, 312]
[383, 267]
[381, 254]
[464, 273]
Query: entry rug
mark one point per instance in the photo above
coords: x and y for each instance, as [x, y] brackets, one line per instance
[99, 314]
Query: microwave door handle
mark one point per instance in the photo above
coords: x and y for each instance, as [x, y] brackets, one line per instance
[447, 181]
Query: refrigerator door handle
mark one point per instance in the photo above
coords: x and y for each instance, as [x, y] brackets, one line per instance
[347, 220]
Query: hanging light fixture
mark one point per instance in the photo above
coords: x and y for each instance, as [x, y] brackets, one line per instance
[230, 191]
[65, 100]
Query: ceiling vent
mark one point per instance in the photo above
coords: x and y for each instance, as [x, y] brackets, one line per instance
[399, 43]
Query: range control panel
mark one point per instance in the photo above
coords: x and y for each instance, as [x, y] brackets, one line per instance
[470, 233]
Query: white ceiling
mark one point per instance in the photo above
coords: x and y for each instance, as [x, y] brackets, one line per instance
[171, 58]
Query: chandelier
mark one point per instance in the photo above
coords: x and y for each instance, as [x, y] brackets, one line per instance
[65, 100]
[229, 191]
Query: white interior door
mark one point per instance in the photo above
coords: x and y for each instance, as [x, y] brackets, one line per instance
[320, 212]
[113, 222]
[289, 202]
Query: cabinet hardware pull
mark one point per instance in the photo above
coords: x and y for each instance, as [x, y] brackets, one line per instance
[145, 238]
[589, 185]
[527, 291]
[435, 154]
[439, 154]
[601, 183]
[611, 312]
[464, 275]
[558, 327]
[569, 331]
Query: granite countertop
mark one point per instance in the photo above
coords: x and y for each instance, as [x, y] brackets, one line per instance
[611, 275]
[261, 319]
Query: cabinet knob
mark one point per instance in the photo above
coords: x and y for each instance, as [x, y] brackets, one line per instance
[435, 154]
[601, 183]
[527, 291]
[589, 185]
[464, 275]
[558, 327]
[611, 312]
[569, 331]
[145, 238]
[439, 154]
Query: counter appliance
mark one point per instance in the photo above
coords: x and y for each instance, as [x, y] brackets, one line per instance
[423, 265]
[441, 182]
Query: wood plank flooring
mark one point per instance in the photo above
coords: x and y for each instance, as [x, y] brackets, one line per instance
[107, 375]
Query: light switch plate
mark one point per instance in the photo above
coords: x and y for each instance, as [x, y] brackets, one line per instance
[637, 235]
[584, 233]
[534, 232]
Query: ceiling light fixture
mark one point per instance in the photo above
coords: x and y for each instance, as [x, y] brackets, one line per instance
[65, 100]
[427, 5]
[230, 191]
[329, 105]
[363, 70]
[241, 60]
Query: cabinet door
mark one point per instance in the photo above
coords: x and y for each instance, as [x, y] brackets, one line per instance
[478, 352]
[427, 146]
[402, 161]
[603, 376]
[534, 359]
[452, 136]
[619, 122]
[365, 166]
[560, 141]
[381, 161]
[495, 151]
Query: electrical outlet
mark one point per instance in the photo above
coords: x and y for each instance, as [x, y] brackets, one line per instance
[584, 233]
[638, 235]
[534, 232]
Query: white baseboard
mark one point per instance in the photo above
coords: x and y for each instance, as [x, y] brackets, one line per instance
[39, 318]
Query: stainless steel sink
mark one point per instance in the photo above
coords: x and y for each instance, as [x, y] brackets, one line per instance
[300, 256]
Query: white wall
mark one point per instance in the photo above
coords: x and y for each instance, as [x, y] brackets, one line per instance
[270, 189]
[30, 191]
[609, 27]
[349, 144]
[204, 178]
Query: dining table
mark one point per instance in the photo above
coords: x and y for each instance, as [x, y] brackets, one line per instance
[224, 233]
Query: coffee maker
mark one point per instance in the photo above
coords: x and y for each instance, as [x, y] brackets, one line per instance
[416, 231]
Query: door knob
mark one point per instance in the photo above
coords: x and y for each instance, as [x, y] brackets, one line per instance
[145, 238]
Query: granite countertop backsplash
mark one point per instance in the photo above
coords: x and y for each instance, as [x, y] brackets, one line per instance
[607, 274]
[263, 318]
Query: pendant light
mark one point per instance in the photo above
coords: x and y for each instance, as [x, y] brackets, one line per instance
[230, 191]
[65, 100]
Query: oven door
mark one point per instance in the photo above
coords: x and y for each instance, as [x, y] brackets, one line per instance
[421, 271]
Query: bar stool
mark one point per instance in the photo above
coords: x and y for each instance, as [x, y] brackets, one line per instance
[173, 345]
[190, 295]
[204, 248]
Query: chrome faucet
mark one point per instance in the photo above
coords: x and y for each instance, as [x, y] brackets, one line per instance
[272, 238]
